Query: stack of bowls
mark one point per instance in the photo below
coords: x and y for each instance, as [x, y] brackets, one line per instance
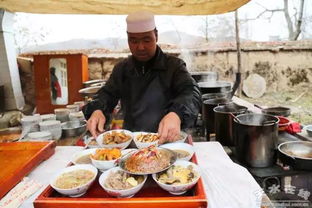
[39, 136]
[72, 108]
[47, 117]
[31, 122]
[76, 116]
[62, 114]
[54, 127]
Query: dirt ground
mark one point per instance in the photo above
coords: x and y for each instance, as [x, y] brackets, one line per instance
[298, 99]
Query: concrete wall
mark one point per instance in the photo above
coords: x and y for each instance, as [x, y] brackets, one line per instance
[282, 70]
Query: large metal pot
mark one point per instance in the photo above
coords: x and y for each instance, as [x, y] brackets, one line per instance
[297, 154]
[224, 122]
[255, 137]
[214, 86]
[204, 76]
[208, 114]
[208, 96]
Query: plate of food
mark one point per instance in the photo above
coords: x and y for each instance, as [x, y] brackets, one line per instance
[148, 160]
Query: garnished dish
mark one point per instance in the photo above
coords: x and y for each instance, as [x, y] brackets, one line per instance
[121, 180]
[149, 137]
[145, 139]
[148, 160]
[106, 154]
[118, 183]
[177, 175]
[119, 138]
[179, 178]
[73, 179]
[105, 158]
[115, 137]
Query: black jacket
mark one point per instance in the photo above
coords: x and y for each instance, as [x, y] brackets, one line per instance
[149, 92]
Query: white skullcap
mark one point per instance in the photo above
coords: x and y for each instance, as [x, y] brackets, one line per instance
[140, 21]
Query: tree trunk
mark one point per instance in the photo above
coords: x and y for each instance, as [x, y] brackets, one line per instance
[293, 34]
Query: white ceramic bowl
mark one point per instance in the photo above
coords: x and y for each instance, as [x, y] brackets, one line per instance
[180, 146]
[123, 145]
[80, 154]
[127, 193]
[77, 191]
[180, 189]
[141, 145]
[183, 137]
[103, 165]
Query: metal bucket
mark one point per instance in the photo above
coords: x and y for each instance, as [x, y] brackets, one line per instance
[208, 114]
[255, 137]
[224, 122]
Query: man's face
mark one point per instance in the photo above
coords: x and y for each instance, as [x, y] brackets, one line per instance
[143, 45]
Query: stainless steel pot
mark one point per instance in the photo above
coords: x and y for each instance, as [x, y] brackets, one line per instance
[297, 154]
[255, 137]
[73, 128]
[224, 122]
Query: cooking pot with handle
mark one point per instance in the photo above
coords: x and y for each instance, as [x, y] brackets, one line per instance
[255, 137]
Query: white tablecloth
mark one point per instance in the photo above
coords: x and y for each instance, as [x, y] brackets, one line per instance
[227, 184]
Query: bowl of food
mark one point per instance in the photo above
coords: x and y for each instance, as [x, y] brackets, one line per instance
[179, 178]
[145, 139]
[147, 160]
[104, 158]
[83, 157]
[118, 183]
[283, 123]
[115, 139]
[74, 181]
[182, 138]
[183, 151]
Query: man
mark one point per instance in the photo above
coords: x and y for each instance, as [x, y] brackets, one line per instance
[156, 91]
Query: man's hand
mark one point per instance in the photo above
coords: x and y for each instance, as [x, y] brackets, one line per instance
[96, 123]
[169, 128]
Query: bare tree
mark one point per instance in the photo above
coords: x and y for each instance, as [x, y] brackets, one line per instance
[294, 28]
[294, 23]
[204, 28]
